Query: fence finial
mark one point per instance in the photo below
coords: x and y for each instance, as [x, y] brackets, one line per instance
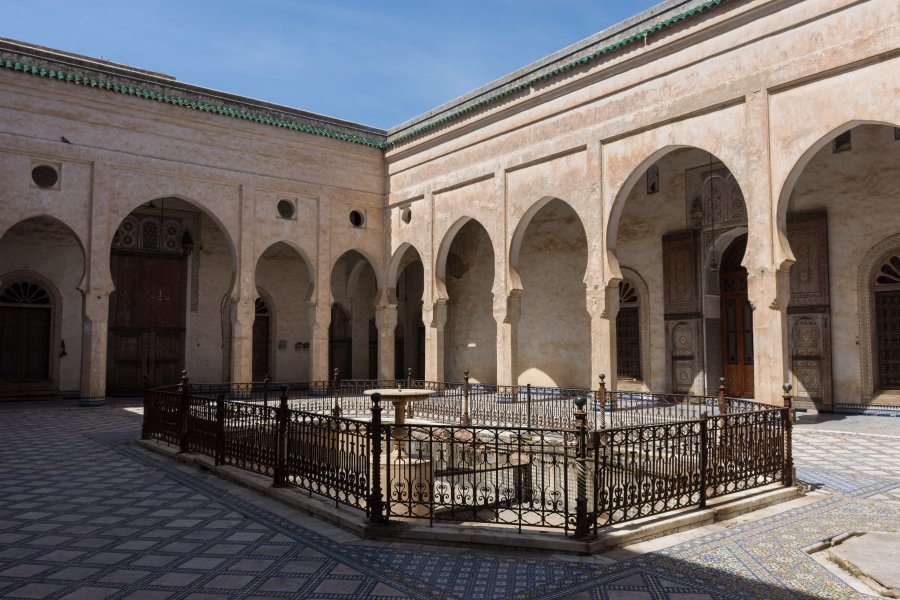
[184, 377]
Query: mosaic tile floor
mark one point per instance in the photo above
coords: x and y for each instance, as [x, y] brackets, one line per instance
[84, 513]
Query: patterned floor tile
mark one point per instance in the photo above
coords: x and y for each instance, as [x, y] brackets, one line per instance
[92, 516]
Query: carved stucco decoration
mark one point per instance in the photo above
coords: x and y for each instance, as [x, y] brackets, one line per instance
[809, 309]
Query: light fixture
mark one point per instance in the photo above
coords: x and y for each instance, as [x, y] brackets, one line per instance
[187, 243]
[696, 214]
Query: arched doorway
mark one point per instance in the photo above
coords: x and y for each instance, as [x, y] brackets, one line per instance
[676, 218]
[737, 321]
[42, 322]
[261, 340]
[886, 305]
[353, 346]
[340, 342]
[148, 310]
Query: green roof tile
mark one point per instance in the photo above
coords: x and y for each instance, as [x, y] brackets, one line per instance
[286, 123]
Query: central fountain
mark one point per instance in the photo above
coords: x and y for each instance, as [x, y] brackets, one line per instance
[406, 481]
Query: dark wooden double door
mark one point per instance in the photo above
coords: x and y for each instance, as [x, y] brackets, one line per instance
[146, 321]
[737, 322]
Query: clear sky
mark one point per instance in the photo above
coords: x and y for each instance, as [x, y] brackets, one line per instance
[375, 62]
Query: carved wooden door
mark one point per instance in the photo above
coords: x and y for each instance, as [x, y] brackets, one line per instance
[887, 316]
[737, 323]
[146, 321]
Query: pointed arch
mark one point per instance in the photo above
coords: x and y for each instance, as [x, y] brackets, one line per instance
[793, 176]
[440, 264]
[394, 266]
[515, 246]
[304, 257]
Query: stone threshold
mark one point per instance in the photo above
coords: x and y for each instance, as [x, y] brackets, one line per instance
[489, 535]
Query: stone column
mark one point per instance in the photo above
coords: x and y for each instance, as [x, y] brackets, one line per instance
[434, 316]
[507, 310]
[386, 322]
[318, 349]
[603, 306]
[94, 341]
[94, 346]
[244, 293]
[769, 294]
[768, 285]
[242, 337]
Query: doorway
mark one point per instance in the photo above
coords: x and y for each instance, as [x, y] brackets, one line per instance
[146, 321]
[737, 322]
[261, 341]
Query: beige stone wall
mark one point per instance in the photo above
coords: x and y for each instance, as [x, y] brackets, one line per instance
[762, 86]
[123, 152]
[757, 88]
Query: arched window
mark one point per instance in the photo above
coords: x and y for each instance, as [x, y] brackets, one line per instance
[25, 333]
[628, 333]
[886, 296]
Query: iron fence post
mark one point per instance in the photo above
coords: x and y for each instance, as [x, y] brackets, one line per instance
[281, 416]
[465, 415]
[335, 386]
[723, 424]
[601, 392]
[266, 391]
[409, 378]
[723, 407]
[220, 429]
[376, 503]
[528, 404]
[704, 449]
[787, 475]
[184, 414]
[145, 422]
[581, 515]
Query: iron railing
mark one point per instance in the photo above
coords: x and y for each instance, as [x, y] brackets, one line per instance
[616, 464]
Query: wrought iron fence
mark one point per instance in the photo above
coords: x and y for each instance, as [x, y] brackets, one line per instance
[637, 456]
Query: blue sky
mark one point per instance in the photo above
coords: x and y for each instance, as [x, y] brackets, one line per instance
[376, 63]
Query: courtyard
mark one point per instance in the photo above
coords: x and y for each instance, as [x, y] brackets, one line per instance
[85, 513]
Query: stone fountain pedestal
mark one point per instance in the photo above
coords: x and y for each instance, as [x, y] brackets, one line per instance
[406, 482]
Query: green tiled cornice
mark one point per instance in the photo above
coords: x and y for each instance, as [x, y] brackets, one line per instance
[183, 98]
[117, 87]
[639, 36]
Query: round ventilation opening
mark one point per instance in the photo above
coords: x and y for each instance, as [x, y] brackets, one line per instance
[356, 218]
[44, 176]
[406, 215]
[286, 209]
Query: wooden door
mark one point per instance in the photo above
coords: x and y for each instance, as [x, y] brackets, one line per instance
[887, 317]
[24, 344]
[146, 321]
[737, 322]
